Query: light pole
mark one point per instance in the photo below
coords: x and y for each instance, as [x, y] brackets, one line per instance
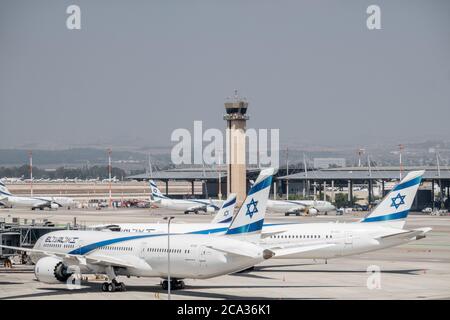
[30, 155]
[109, 174]
[168, 255]
[401, 147]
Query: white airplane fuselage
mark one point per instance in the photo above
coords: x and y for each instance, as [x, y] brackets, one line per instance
[62, 201]
[187, 204]
[22, 201]
[300, 205]
[37, 202]
[347, 238]
[192, 256]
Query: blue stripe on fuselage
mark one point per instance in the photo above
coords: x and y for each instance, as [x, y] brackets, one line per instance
[208, 231]
[90, 247]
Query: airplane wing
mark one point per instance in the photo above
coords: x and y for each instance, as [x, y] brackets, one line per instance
[297, 209]
[285, 251]
[105, 227]
[232, 251]
[406, 234]
[42, 204]
[128, 262]
[197, 207]
[87, 259]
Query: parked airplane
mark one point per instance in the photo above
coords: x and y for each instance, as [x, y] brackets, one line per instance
[381, 228]
[311, 207]
[12, 180]
[113, 179]
[194, 256]
[186, 205]
[33, 202]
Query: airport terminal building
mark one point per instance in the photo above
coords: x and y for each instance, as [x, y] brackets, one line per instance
[435, 187]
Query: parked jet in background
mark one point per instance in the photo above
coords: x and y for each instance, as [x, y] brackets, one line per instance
[298, 207]
[33, 202]
[186, 205]
[310, 207]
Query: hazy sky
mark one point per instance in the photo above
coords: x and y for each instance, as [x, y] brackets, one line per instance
[139, 69]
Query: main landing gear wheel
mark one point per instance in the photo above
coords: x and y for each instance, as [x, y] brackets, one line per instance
[174, 284]
[113, 286]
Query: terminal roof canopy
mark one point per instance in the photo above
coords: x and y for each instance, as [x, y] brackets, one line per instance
[360, 173]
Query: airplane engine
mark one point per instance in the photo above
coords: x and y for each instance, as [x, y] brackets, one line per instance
[51, 270]
[54, 205]
[210, 209]
[312, 211]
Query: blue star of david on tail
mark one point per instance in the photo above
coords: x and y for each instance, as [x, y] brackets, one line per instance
[398, 200]
[251, 208]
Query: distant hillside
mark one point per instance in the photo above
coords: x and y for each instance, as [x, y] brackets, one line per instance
[72, 156]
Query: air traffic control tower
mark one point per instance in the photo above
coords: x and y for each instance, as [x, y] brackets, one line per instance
[236, 118]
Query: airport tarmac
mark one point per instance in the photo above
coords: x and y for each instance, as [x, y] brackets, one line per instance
[418, 270]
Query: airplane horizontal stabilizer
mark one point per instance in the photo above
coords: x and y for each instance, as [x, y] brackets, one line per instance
[407, 234]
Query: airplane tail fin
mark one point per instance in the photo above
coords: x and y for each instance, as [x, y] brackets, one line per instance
[248, 222]
[156, 193]
[4, 192]
[396, 204]
[225, 213]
